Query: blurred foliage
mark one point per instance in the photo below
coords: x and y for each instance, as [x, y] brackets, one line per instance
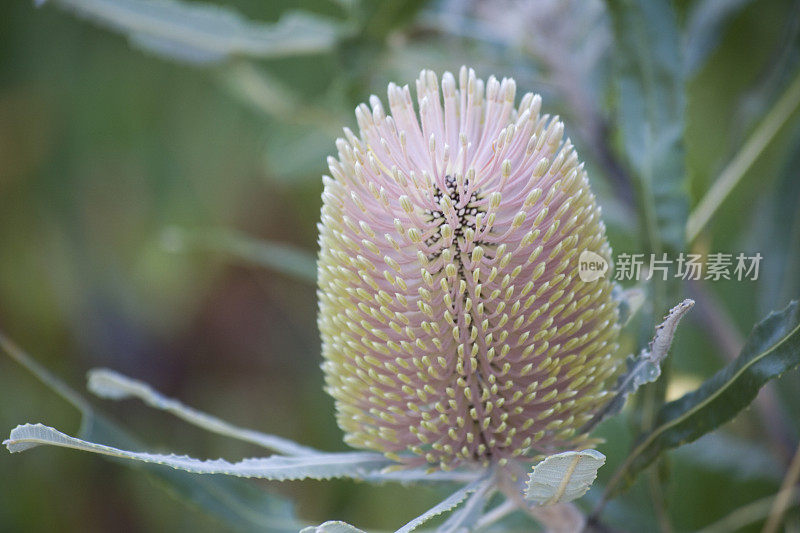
[105, 150]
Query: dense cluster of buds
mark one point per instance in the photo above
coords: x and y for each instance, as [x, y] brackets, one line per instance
[455, 326]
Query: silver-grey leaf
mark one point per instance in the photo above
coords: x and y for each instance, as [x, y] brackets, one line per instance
[317, 466]
[332, 526]
[445, 505]
[645, 368]
[465, 518]
[205, 33]
[112, 385]
[563, 477]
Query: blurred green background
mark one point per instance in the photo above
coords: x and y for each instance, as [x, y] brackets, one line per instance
[104, 148]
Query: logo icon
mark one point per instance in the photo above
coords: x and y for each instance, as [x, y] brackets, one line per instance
[591, 266]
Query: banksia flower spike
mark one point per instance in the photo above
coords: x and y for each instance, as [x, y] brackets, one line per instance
[455, 327]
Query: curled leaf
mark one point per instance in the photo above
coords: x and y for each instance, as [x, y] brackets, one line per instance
[563, 477]
[772, 348]
[665, 332]
[645, 368]
[237, 502]
[316, 466]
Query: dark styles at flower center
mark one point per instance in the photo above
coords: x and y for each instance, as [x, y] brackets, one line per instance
[465, 219]
[466, 214]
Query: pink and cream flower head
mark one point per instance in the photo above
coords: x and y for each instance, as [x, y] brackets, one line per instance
[455, 328]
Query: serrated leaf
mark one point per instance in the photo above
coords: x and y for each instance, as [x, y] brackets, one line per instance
[316, 466]
[445, 505]
[645, 368]
[286, 259]
[466, 517]
[332, 526]
[205, 33]
[772, 348]
[112, 385]
[236, 502]
[563, 477]
[650, 99]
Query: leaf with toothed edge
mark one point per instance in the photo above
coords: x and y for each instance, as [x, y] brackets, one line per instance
[236, 502]
[772, 348]
[445, 505]
[563, 477]
[317, 466]
[645, 368]
[109, 384]
[469, 513]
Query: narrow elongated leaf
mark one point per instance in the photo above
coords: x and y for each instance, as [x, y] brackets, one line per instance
[236, 502]
[781, 274]
[650, 99]
[563, 477]
[333, 526]
[407, 476]
[317, 466]
[205, 33]
[466, 517]
[289, 260]
[704, 29]
[445, 505]
[665, 332]
[112, 385]
[772, 348]
[645, 368]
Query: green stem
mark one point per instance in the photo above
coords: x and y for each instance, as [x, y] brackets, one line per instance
[42, 374]
[744, 159]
